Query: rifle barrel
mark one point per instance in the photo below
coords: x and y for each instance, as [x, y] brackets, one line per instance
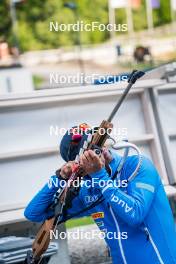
[116, 108]
[135, 75]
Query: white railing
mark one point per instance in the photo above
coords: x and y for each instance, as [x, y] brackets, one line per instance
[30, 122]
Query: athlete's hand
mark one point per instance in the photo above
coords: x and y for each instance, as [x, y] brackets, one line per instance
[66, 170]
[91, 162]
[107, 156]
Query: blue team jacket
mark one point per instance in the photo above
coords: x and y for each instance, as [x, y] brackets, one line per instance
[139, 211]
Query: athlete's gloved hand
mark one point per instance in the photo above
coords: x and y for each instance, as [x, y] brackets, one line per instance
[66, 170]
[107, 156]
[91, 162]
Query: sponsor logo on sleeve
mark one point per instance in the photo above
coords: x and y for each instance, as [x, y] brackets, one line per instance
[98, 215]
[100, 224]
[91, 199]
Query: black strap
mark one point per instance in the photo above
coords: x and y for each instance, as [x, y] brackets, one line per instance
[100, 200]
[68, 217]
[93, 204]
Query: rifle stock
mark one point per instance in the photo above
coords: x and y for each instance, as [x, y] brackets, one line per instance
[42, 239]
[101, 135]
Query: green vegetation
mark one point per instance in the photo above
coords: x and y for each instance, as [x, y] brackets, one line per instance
[34, 17]
[37, 80]
[79, 222]
[5, 22]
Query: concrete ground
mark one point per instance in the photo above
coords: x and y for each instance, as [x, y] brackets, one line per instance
[86, 250]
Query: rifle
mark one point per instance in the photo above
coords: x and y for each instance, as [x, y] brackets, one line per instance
[96, 142]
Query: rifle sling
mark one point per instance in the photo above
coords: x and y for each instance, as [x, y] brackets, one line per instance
[68, 217]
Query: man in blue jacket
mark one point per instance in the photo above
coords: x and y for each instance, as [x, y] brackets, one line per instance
[138, 210]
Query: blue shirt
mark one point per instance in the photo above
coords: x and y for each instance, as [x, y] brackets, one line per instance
[136, 217]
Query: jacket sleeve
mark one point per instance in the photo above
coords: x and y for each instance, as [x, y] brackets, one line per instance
[133, 205]
[37, 210]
